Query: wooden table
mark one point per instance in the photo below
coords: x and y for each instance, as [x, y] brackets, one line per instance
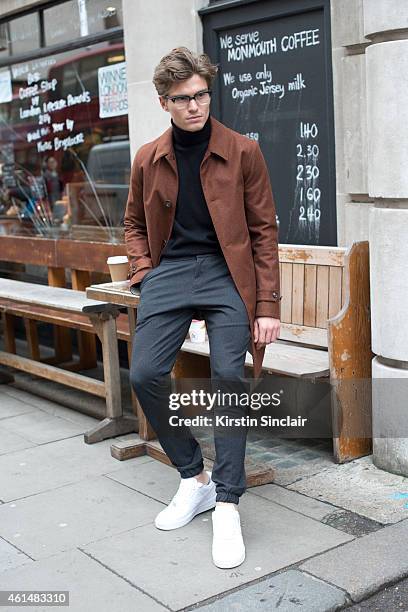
[146, 443]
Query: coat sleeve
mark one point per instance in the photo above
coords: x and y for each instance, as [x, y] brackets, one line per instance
[263, 231]
[136, 238]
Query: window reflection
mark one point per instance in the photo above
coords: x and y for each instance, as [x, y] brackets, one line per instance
[64, 145]
[20, 35]
[76, 18]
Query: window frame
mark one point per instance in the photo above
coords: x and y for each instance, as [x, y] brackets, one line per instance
[44, 49]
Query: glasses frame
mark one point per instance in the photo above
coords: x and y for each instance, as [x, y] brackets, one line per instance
[183, 97]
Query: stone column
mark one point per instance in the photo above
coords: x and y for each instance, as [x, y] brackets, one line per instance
[387, 115]
[350, 120]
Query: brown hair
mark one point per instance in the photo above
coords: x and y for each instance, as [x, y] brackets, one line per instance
[181, 64]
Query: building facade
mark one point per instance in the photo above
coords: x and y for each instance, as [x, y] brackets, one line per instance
[321, 84]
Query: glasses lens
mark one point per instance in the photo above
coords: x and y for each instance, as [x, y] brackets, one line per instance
[181, 102]
[203, 97]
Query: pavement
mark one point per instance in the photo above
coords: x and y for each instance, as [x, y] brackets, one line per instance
[322, 537]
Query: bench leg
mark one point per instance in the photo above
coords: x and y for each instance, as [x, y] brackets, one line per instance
[86, 350]
[32, 339]
[115, 423]
[9, 337]
[81, 279]
[9, 344]
[62, 335]
[110, 428]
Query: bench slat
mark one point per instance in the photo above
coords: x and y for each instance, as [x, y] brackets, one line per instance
[307, 254]
[280, 358]
[322, 291]
[298, 275]
[72, 320]
[309, 317]
[335, 280]
[66, 300]
[286, 291]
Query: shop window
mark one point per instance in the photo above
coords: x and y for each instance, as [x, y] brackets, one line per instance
[64, 144]
[20, 35]
[75, 18]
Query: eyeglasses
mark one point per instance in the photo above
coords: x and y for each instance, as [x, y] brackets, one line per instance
[201, 97]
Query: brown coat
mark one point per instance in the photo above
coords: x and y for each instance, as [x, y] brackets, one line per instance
[237, 189]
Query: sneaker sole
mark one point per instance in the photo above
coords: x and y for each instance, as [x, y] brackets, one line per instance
[229, 566]
[181, 523]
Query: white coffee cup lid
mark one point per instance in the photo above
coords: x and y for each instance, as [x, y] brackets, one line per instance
[117, 259]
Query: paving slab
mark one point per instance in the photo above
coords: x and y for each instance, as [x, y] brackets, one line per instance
[161, 562]
[289, 473]
[10, 441]
[47, 466]
[10, 556]
[290, 591]
[352, 523]
[73, 515]
[361, 567]
[53, 407]
[359, 486]
[389, 599]
[40, 427]
[153, 478]
[74, 398]
[12, 406]
[90, 585]
[295, 501]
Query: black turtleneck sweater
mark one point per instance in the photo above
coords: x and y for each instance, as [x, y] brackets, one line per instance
[193, 230]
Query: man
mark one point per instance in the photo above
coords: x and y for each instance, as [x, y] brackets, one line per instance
[201, 236]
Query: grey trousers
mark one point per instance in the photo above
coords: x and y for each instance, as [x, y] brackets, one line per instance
[172, 294]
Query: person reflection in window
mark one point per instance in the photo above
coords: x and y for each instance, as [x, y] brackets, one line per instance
[53, 183]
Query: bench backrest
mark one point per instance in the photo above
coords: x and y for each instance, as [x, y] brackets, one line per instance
[313, 289]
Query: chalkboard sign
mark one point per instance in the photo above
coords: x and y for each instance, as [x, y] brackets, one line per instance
[274, 85]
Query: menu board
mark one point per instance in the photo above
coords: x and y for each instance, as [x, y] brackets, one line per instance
[274, 86]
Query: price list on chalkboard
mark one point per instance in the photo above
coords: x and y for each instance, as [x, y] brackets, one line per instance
[273, 87]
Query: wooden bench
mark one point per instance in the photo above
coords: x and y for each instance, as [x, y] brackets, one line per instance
[325, 334]
[81, 262]
[74, 260]
[24, 298]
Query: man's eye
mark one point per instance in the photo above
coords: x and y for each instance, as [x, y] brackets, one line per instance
[181, 99]
[201, 95]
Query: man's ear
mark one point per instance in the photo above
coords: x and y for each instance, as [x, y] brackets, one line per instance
[163, 103]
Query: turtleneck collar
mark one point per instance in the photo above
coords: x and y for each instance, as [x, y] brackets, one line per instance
[186, 138]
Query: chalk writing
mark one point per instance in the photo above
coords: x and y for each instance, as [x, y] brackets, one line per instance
[272, 87]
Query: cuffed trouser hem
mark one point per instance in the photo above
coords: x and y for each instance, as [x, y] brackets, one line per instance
[227, 497]
[191, 471]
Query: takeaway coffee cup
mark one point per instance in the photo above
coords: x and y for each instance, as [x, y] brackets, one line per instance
[197, 331]
[118, 267]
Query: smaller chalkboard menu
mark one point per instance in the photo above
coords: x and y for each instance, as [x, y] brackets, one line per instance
[274, 86]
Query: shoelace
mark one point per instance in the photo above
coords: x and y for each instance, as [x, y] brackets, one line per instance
[186, 488]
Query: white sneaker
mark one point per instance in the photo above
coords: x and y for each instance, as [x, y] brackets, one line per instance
[228, 549]
[191, 498]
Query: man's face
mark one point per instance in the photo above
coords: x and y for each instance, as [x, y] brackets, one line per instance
[195, 115]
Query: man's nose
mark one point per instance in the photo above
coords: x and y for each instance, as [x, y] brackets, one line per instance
[195, 105]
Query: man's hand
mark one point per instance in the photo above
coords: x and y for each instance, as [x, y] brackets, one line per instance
[266, 330]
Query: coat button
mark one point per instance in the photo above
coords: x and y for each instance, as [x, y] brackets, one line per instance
[275, 294]
[167, 204]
